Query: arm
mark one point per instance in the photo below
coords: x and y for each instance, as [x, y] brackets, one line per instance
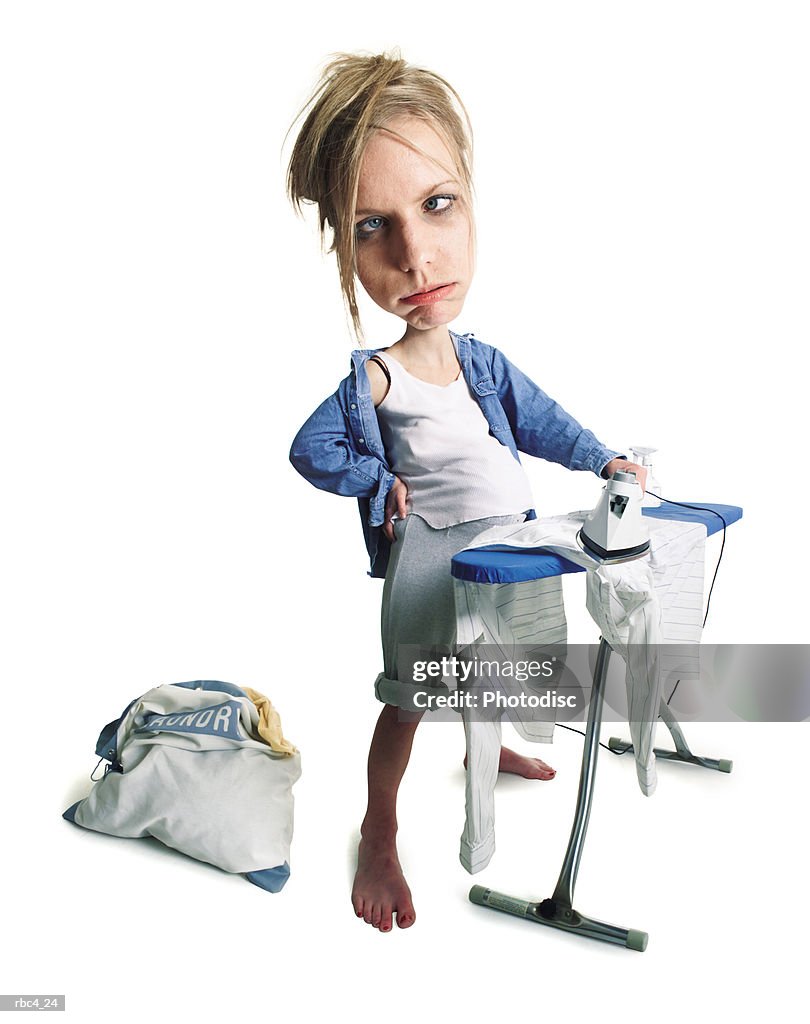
[396, 501]
[327, 452]
[542, 427]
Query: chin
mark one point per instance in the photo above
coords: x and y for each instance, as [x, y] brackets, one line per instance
[433, 317]
[429, 325]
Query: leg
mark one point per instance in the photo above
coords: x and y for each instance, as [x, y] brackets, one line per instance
[380, 889]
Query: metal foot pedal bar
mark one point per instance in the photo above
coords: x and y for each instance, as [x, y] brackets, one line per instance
[681, 752]
[565, 918]
[559, 912]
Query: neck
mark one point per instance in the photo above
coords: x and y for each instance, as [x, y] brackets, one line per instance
[433, 347]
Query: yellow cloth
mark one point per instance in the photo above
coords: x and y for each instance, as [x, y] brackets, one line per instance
[270, 723]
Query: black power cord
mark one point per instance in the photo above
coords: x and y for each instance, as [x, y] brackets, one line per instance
[701, 508]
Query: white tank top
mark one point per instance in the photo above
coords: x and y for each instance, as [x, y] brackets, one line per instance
[438, 442]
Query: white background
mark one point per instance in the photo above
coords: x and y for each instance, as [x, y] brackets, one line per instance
[168, 323]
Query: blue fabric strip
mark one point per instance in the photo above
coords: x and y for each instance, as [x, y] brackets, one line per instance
[271, 879]
[70, 813]
[213, 684]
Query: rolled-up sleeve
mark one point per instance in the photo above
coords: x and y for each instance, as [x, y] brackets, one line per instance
[325, 453]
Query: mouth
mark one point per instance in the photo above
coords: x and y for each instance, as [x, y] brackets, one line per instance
[431, 295]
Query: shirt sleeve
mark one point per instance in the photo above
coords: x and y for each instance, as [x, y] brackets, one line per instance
[540, 426]
[325, 452]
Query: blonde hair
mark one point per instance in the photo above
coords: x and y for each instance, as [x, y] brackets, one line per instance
[356, 96]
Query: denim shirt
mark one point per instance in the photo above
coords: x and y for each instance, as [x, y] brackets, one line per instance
[339, 448]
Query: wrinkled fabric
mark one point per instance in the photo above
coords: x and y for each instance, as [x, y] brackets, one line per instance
[197, 766]
[637, 605]
[269, 724]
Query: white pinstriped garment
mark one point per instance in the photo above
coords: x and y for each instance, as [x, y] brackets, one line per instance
[637, 605]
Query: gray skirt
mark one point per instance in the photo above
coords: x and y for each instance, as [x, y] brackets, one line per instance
[418, 607]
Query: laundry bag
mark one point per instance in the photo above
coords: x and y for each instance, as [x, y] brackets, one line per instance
[203, 767]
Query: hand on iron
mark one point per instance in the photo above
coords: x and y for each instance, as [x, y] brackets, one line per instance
[628, 467]
[395, 505]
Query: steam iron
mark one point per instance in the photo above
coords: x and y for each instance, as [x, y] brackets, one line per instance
[615, 531]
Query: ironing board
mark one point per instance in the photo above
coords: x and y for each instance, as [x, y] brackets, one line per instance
[482, 565]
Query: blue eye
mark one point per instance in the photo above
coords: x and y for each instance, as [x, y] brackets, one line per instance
[366, 228]
[432, 204]
[435, 205]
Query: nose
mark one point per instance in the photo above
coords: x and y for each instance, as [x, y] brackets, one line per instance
[414, 248]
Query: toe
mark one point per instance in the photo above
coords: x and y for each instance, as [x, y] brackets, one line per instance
[546, 771]
[405, 918]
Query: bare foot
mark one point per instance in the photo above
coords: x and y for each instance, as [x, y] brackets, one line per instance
[527, 767]
[380, 889]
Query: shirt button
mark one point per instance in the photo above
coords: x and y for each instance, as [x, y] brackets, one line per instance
[362, 440]
[353, 406]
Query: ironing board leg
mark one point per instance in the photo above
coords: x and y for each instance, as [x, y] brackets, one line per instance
[564, 891]
[681, 751]
[558, 912]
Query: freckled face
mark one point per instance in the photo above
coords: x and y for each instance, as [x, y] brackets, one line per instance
[413, 228]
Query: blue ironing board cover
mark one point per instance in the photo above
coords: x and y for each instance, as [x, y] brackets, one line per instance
[485, 565]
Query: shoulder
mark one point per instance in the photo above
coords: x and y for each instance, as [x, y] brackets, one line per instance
[488, 359]
[368, 376]
[377, 380]
[481, 354]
